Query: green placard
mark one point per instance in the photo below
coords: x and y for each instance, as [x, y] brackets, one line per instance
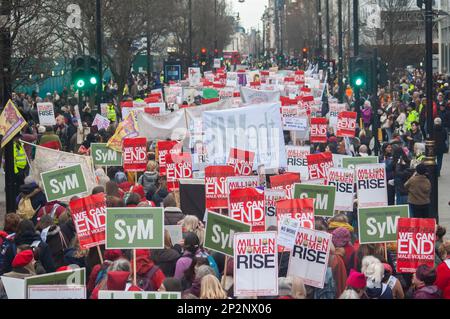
[134, 228]
[104, 156]
[66, 278]
[324, 197]
[351, 162]
[220, 232]
[64, 182]
[379, 224]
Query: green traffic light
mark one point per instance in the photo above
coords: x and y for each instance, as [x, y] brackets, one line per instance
[80, 83]
[359, 82]
[93, 80]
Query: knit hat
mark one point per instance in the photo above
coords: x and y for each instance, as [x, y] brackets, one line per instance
[112, 254]
[63, 268]
[138, 189]
[387, 268]
[29, 180]
[143, 252]
[284, 286]
[426, 274]
[117, 280]
[356, 280]
[341, 237]
[120, 177]
[22, 259]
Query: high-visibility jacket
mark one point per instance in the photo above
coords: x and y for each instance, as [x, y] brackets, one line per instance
[112, 116]
[20, 158]
[413, 116]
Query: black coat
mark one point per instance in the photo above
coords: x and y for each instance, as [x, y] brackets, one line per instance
[166, 259]
[440, 135]
[57, 242]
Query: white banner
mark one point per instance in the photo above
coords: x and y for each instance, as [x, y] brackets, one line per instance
[343, 179]
[161, 127]
[371, 185]
[56, 292]
[309, 257]
[256, 128]
[252, 96]
[255, 264]
[46, 113]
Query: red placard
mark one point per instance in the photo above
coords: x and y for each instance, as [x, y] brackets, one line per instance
[300, 209]
[241, 161]
[346, 124]
[415, 243]
[166, 147]
[89, 217]
[318, 165]
[318, 132]
[247, 205]
[286, 182]
[178, 167]
[216, 186]
[135, 154]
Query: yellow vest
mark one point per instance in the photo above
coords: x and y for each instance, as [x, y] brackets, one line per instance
[112, 113]
[20, 158]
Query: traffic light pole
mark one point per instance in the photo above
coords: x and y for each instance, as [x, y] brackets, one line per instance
[430, 144]
[5, 78]
[341, 54]
[375, 103]
[98, 31]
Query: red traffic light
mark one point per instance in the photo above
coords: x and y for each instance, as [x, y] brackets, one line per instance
[203, 50]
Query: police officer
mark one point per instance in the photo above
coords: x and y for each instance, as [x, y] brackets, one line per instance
[112, 115]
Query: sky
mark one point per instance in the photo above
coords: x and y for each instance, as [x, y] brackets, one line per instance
[250, 12]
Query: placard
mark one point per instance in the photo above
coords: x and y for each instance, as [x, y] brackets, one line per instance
[371, 185]
[299, 209]
[343, 180]
[297, 161]
[105, 156]
[255, 264]
[247, 205]
[318, 165]
[324, 197]
[216, 187]
[135, 154]
[46, 113]
[64, 182]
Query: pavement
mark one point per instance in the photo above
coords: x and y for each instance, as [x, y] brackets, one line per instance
[444, 196]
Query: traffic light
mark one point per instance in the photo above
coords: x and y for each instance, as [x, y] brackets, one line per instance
[305, 54]
[216, 53]
[85, 72]
[203, 56]
[360, 72]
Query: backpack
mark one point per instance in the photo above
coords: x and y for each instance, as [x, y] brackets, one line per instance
[5, 243]
[145, 282]
[25, 209]
[102, 273]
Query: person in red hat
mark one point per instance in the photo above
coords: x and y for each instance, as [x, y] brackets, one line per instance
[148, 276]
[393, 282]
[22, 267]
[356, 284]
[99, 271]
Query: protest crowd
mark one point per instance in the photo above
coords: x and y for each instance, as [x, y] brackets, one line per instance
[247, 184]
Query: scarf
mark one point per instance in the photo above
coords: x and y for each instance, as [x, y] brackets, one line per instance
[334, 225]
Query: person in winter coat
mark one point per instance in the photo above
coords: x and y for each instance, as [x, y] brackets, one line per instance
[393, 282]
[185, 266]
[150, 177]
[211, 288]
[366, 114]
[117, 277]
[149, 276]
[355, 286]
[55, 239]
[22, 267]
[443, 270]
[373, 269]
[100, 271]
[414, 136]
[342, 239]
[401, 164]
[166, 259]
[32, 191]
[423, 284]
[337, 266]
[201, 272]
[419, 191]
[160, 193]
[50, 140]
[172, 214]
[440, 136]
[26, 235]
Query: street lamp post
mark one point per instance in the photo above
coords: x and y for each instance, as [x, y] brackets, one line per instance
[430, 144]
[341, 53]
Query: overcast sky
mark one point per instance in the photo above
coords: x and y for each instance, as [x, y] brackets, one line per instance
[250, 12]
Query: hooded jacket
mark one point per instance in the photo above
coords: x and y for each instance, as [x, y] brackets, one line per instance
[166, 260]
[57, 243]
[143, 269]
[148, 181]
[427, 292]
[115, 280]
